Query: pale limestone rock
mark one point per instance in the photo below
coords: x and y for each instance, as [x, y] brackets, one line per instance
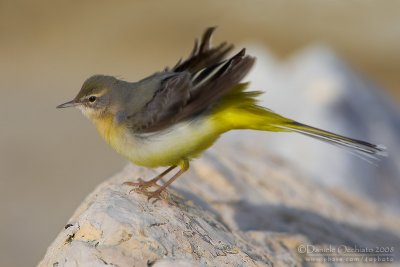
[246, 209]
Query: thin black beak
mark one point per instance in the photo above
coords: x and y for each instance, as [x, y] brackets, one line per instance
[68, 104]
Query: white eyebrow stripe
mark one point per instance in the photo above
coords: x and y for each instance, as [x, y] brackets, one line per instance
[101, 93]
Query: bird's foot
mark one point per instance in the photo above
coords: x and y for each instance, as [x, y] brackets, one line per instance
[152, 194]
[143, 187]
[141, 184]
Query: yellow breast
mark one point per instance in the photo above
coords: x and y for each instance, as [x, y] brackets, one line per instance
[111, 132]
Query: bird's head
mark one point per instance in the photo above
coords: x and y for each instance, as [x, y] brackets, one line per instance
[97, 96]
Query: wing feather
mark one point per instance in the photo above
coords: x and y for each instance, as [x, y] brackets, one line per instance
[203, 55]
[194, 86]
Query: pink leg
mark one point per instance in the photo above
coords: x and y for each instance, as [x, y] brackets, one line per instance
[156, 194]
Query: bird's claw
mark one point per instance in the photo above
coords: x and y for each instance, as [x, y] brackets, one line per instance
[142, 187]
[141, 183]
[154, 194]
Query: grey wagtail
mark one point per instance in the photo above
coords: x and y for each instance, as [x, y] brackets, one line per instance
[172, 116]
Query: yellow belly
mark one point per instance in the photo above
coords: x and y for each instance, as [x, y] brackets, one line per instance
[183, 141]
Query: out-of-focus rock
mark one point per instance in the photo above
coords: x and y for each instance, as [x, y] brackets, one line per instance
[316, 87]
[245, 209]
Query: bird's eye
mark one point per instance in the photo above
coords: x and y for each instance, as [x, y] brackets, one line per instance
[92, 99]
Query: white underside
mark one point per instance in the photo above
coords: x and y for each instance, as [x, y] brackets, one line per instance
[170, 146]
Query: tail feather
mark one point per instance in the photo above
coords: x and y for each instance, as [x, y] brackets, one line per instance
[365, 148]
[239, 110]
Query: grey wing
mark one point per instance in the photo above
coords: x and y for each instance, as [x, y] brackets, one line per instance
[169, 98]
[194, 86]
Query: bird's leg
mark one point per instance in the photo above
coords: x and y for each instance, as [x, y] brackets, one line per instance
[184, 166]
[146, 184]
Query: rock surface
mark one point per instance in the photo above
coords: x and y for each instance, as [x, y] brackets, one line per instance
[315, 86]
[245, 210]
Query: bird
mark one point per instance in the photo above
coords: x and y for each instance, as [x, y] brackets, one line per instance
[170, 117]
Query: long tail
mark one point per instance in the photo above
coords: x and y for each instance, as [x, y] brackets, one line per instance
[358, 146]
[239, 110]
[274, 122]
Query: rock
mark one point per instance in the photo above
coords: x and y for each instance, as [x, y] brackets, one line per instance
[226, 211]
[317, 87]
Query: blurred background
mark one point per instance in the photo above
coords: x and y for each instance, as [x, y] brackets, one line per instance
[51, 159]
